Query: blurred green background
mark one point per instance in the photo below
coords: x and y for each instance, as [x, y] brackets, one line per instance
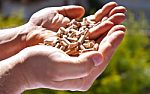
[129, 69]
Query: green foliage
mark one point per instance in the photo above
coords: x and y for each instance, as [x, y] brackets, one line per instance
[12, 21]
[129, 69]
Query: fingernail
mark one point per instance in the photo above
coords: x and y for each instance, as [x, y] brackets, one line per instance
[97, 60]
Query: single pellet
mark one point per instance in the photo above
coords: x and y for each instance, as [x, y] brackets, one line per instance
[63, 43]
[54, 43]
[96, 46]
[91, 43]
[62, 29]
[81, 39]
[57, 45]
[59, 33]
[62, 48]
[73, 45]
[72, 39]
[71, 51]
[86, 45]
[82, 47]
[66, 41]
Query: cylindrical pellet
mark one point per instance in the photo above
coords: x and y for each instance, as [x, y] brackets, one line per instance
[81, 39]
[82, 47]
[63, 43]
[57, 45]
[73, 45]
[66, 41]
[96, 46]
[62, 48]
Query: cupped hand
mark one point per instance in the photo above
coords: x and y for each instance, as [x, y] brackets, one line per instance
[46, 22]
[44, 66]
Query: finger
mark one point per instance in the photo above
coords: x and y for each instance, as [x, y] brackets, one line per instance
[72, 11]
[113, 29]
[48, 34]
[36, 36]
[118, 9]
[101, 37]
[116, 28]
[96, 31]
[117, 18]
[77, 67]
[63, 21]
[104, 19]
[59, 21]
[104, 11]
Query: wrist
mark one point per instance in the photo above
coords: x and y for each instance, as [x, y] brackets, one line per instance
[12, 76]
[14, 40]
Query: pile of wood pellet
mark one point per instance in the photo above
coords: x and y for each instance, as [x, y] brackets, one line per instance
[73, 39]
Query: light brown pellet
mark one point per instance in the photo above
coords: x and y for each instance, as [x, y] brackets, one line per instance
[81, 39]
[86, 45]
[62, 48]
[72, 39]
[71, 51]
[63, 29]
[73, 45]
[63, 43]
[96, 46]
[82, 47]
[54, 42]
[66, 41]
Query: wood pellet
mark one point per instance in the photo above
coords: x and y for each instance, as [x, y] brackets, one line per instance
[73, 39]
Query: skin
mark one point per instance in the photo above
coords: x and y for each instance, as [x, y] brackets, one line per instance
[26, 65]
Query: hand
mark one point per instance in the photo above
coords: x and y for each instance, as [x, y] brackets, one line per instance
[47, 21]
[48, 67]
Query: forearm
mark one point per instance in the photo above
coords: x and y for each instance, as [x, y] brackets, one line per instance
[11, 76]
[12, 41]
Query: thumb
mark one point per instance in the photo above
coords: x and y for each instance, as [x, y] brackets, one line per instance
[72, 11]
[93, 57]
